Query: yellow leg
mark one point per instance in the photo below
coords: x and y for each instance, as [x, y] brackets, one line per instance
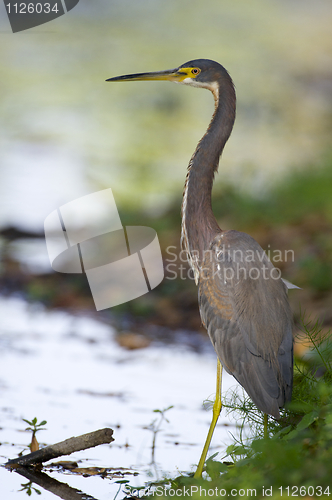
[265, 426]
[215, 416]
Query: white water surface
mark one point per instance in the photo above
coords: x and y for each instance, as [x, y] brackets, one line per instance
[69, 370]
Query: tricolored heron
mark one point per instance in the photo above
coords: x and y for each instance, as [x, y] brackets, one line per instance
[242, 298]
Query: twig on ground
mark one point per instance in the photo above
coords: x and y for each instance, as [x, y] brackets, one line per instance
[66, 447]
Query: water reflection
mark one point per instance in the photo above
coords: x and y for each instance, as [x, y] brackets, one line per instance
[57, 488]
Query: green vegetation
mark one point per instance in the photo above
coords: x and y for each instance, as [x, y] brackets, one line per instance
[300, 194]
[29, 488]
[34, 427]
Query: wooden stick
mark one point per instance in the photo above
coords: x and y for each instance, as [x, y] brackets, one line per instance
[66, 447]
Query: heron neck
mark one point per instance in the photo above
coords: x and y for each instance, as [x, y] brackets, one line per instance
[199, 226]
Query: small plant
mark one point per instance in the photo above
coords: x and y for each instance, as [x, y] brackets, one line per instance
[34, 427]
[28, 488]
[121, 482]
[155, 428]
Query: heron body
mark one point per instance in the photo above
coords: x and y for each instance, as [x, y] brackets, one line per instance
[242, 298]
[248, 319]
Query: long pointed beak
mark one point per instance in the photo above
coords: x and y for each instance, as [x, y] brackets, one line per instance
[173, 75]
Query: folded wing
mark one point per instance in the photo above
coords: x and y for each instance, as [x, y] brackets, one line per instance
[244, 306]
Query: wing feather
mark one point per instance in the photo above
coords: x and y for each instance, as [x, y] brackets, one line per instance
[244, 306]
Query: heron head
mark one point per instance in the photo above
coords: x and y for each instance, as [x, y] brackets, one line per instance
[197, 73]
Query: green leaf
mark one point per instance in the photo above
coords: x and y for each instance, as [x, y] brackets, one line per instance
[236, 450]
[306, 421]
[282, 432]
[215, 469]
[230, 448]
[240, 450]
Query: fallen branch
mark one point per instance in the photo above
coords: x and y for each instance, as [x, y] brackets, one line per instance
[64, 448]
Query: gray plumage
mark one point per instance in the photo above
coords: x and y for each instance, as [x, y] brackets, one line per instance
[244, 307]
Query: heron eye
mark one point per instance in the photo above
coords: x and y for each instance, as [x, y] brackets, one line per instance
[195, 71]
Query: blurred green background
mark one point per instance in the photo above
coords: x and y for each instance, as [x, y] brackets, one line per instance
[65, 132]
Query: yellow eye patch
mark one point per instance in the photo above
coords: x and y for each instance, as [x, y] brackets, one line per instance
[188, 73]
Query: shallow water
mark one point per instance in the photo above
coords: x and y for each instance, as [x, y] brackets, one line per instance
[69, 370]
